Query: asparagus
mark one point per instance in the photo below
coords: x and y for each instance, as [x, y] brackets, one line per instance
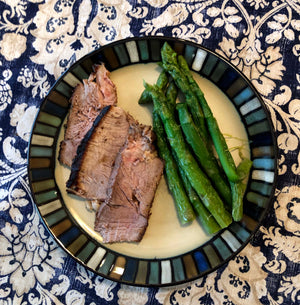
[238, 189]
[162, 82]
[171, 95]
[206, 219]
[244, 167]
[202, 153]
[197, 178]
[184, 209]
[213, 127]
[202, 115]
[170, 64]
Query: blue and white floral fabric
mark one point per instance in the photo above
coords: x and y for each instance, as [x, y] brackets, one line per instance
[40, 39]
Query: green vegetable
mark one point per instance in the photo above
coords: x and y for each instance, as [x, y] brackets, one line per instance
[197, 178]
[222, 150]
[184, 209]
[238, 189]
[215, 133]
[244, 167]
[206, 219]
[170, 64]
[162, 82]
[171, 95]
[202, 153]
[186, 180]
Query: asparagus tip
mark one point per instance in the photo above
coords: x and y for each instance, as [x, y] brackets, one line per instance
[146, 85]
[166, 46]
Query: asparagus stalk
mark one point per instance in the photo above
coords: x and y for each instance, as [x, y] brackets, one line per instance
[171, 95]
[213, 127]
[197, 178]
[170, 64]
[202, 153]
[238, 189]
[184, 209]
[206, 219]
[162, 82]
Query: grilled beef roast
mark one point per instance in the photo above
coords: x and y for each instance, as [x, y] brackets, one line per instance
[113, 160]
[94, 166]
[124, 215]
[87, 100]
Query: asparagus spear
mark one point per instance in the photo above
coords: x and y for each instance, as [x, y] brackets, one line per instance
[206, 219]
[238, 189]
[171, 95]
[236, 175]
[162, 82]
[170, 64]
[213, 127]
[184, 209]
[202, 153]
[197, 178]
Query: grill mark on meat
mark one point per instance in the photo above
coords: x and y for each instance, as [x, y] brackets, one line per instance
[76, 164]
[87, 100]
[91, 174]
[124, 214]
[86, 103]
[112, 157]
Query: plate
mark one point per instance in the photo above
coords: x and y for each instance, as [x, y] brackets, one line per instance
[169, 253]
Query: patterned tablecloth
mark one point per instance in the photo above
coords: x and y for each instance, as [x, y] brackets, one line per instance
[39, 40]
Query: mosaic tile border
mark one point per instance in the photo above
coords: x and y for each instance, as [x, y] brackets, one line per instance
[153, 272]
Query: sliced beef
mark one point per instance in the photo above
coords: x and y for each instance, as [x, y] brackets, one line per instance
[87, 100]
[107, 87]
[112, 158]
[96, 163]
[124, 215]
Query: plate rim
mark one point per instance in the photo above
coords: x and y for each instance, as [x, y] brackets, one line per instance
[200, 274]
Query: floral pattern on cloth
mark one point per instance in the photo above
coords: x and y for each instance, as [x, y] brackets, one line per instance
[230, 284]
[39, 40]
[68, 29]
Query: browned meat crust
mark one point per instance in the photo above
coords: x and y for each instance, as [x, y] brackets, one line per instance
[113, 160]
[124, 215]
[77, 161]
[86, 102]
[93, 170]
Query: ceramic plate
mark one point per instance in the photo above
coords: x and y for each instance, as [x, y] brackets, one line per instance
[169, 253]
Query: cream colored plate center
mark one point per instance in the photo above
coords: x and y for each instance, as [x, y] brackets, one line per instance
[164, 236]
